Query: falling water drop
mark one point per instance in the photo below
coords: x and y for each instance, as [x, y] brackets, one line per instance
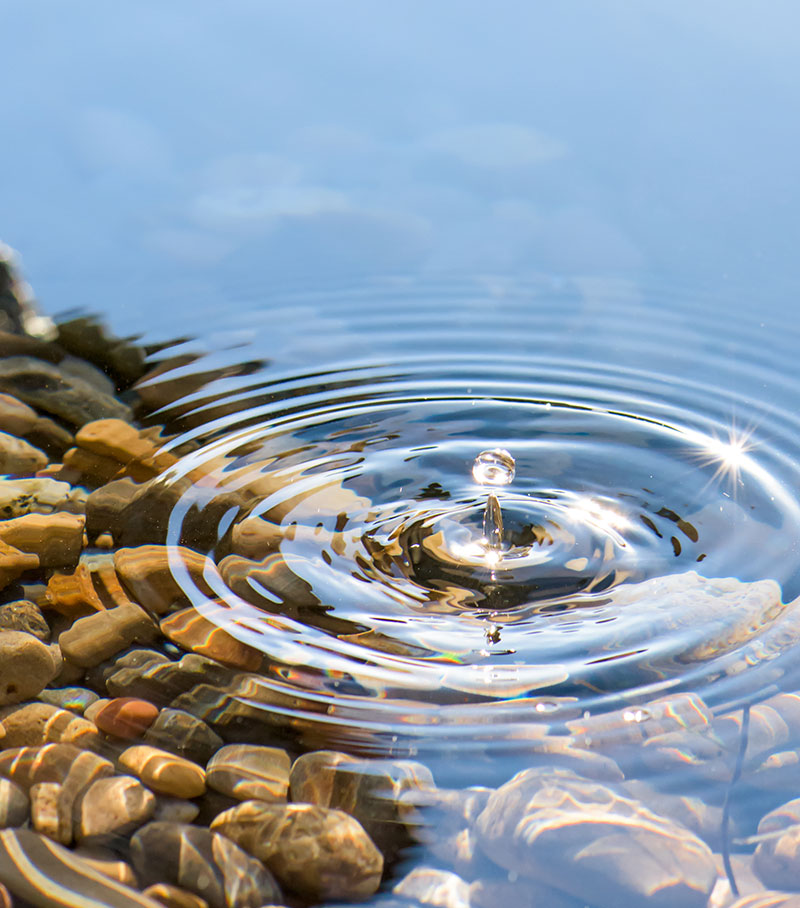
[493, 468]
[493, 523]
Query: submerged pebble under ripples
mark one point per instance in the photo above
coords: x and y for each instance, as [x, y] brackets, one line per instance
[490, 616]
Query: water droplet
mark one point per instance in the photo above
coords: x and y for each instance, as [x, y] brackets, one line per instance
[493, 523]
[493, 468]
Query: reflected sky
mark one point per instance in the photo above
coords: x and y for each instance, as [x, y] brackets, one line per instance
[160, 152]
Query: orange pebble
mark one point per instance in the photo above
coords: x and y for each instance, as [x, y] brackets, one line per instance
[126, 717]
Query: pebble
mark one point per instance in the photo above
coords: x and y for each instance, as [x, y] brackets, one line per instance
[46, 817]
[125, 717]
[14, 563]
[92, 587]
[46, 874]
[16, 417]
[249, 771]
[582, 837]
[57, 539]
[26, 666]
[34, 724]
[164, 772]
[107, 862]
[146, 572]
[113, 807]
[203, 862]
[122, 443]
[95, 638]
[375, 792]
[190, 630]
[85, 337]
[174, 897]
[184, 734]
[176, 810]
[76, 699]
[39, 495]
[431, 886]
[46, 387]
[14, 804]
[24, 615]
[313, 851]
[19, 456]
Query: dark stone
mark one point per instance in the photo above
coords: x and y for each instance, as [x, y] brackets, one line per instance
[184, 734]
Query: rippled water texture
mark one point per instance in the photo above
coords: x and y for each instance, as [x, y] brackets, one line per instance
[648, 540]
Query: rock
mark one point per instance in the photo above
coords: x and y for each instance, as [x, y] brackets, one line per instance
[430, 886]
[174, 896]
[767, 900]
[193, 632]
[113, 807]
[164, 772]
[702, 819]
[184, 734]
[55, 776]
[14, 563]
[26, 666]
[148, 571]
[372, 791]
[39, 495]
[95, 638]
[56, 538]
[45, 815]
[203, 862]
[46, 874]
[92, 587]
[14, 804]
[778, 858]
[522, 892]
[118, 357]
[34, 724]
[315, 852]
[76, 699]
[16, 418]
[248, 771]
[120, 442]
[585, 838]
[46, 388]
[24, 615]
[19, 456]
[125, 717]
[105, 507]
[175, 810]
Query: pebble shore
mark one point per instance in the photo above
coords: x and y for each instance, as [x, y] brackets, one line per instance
[134, 772]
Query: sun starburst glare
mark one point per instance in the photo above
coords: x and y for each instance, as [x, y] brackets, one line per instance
[729, 456]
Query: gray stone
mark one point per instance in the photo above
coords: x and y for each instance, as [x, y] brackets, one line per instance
[777, 860]
[249, 771]
[184, 734]
[431, 886]
[26, 666]
[595, 844]
[314, 852]
[24, 615]
[46, 388]
[203, 862]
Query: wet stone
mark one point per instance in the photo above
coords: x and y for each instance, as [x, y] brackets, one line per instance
[14, 804]
[375, 792]
[184, 734]
[431, 886]
[203, 862]
[39, 496]
[174, 896]
[57, 539]
[19, 456]
[44, 873]
[16, 418]
[26, 666]
[175, 810]
[14, 563]
[35, 724]
[107, 862]
[146, 571]
[583, 837]
[249, 771]
[125, 717]
[777, 860]
[164, 772]
[76, 699]
[47, 817]
[50, 390]
[113, 807]
[95, 638]
[314, 852]
[192, 631]
[24, 615]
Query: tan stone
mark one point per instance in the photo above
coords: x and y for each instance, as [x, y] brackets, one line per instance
[106, 862]
[56, 538]
[16, 417]
[117, 440]
[147, 573]
[92, 587]
[19, 456]
[113, 806]
[44, 811]
[164, 772]
[97, 637]
[191, 631]
[33, 724]
[14, 563]
[174, 896]
[250, 771]
[26, 666]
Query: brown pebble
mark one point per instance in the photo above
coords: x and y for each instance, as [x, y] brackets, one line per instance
[125, 717]
[56, 538]
[163, 772]
[33, 724]
[19, 456]
[113, 807]
[45, 798]
[95, 638]
[106, 862]
[14, 563]
[146, 571]
[191, 631]
[104, 541]
[26, 666]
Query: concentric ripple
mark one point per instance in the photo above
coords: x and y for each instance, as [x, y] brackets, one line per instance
[646, 542]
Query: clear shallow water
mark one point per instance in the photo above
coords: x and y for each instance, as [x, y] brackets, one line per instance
[394, 240]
